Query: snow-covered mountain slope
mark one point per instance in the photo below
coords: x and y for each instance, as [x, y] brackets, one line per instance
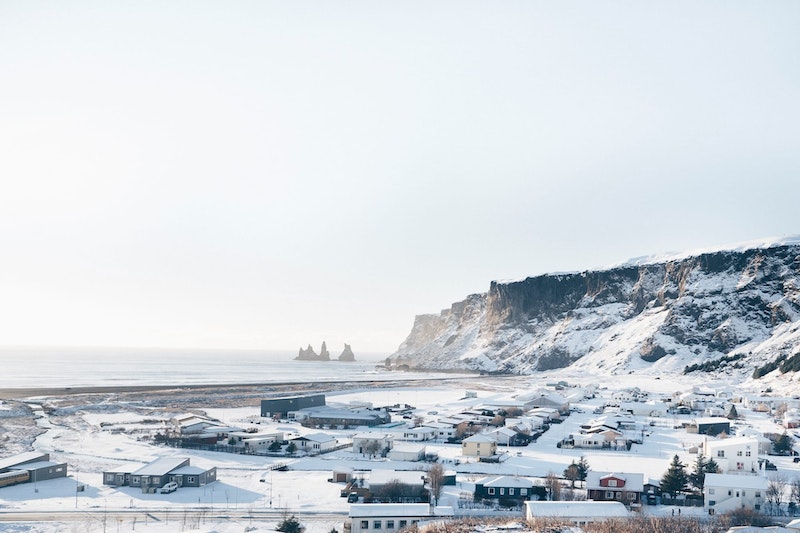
[736, 309]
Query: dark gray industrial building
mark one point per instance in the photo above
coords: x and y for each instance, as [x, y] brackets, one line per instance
[38, 466]
[281, 406]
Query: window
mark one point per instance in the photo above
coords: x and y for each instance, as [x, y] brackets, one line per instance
[631, 495]
[490, 490]
[730, 493]
[711, 491]
[403, 523]
[376, 524]
[720, 453]
[390, 524]
[510, 492]
[757, 506]
[135, 479]
[758, 494]
[365, 524]
[712, 503]
[612, 482]
[109, 477]
[739, 453]
[609, 494]
[502, 491]
[191, 479]
[747, 453]
[523, 492]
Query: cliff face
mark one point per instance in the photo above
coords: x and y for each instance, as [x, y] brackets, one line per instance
[664, 315]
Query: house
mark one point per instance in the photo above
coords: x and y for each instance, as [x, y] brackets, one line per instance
[739, 454]
[389, 517]
[315, 443]
[407, 451]
[442, 430]
[551, 400]
[253, 441]
[597, 437]
[577, 512]
[506, 436]
[791, 419]
[479, 445]
[190, 424]
[156, 474]
[728, 492]
[712, 425]
[507, 488]
[615, 487]
[762, 404]
[419, 434]
[372, 443]
[655, 409]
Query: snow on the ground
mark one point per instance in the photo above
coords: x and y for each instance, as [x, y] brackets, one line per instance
[91, 441]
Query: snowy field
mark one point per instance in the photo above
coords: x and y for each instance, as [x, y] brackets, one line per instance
[249, 496]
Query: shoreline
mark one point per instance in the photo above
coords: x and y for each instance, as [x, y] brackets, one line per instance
[12, 393]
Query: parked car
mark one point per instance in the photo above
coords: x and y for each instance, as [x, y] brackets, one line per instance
[352, 497]
[169, 487]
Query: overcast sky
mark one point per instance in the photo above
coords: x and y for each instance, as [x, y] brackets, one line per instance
[272, 174]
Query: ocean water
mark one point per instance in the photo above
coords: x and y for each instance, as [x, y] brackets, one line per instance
[87, 367]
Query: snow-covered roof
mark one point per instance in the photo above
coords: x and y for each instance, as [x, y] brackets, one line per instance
[161, 466]
[479, 438]
[736, 481]
[24, 457]
[712, 420]
[567, 509]
[36, 465]
[359, 510]
[316, 437]
[189, 470]
[409, 477]
[634, 482]
[505, 481]
[371, 435]
[126, 468]
[732, 441]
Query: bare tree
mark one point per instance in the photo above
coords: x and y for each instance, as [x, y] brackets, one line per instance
[553, 485]
[775, 490]
[373, 448]
[436, 480]
[795, 492]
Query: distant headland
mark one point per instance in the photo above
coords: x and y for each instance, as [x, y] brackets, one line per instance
[324, 355]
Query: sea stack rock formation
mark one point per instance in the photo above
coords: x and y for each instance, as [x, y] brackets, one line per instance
[347, 354]
[310, 355]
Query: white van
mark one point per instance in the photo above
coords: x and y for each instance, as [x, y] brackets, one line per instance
[169, 487]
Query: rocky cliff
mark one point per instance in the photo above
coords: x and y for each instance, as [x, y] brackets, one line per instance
[733, 309]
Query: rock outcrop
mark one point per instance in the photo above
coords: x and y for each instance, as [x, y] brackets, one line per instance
[347, 354]
[659, 315]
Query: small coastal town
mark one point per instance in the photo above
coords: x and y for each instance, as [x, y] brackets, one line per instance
[379, 458]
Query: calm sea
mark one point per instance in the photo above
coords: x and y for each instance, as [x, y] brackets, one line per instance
[77, 367]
